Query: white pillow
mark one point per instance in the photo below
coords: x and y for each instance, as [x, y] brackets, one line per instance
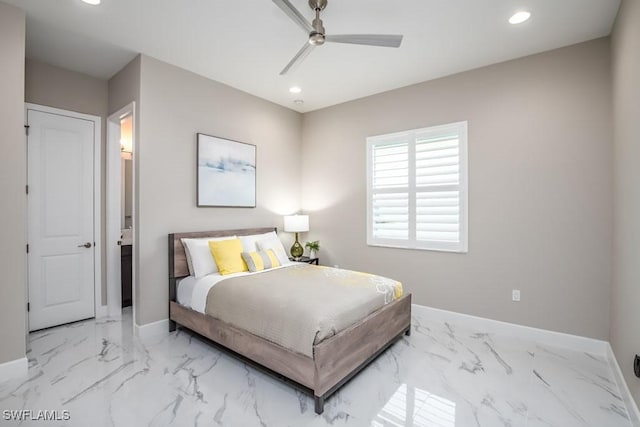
[199, 258]
[274, 243]
[249, 242]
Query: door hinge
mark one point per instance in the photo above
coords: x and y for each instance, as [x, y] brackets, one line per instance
[28, 307]
[27, 248]
[26, 129]
[27, 189]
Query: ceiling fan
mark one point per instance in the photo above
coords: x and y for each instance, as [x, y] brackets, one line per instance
[317, 36]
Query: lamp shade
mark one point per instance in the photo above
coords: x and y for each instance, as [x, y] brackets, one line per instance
[296, 223]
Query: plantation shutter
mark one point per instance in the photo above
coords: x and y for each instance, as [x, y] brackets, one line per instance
[417, 189]
[391, 185]
[437, 188]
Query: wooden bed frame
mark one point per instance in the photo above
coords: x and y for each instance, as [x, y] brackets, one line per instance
[335, 360]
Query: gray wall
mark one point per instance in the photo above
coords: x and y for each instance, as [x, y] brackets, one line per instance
[625, 296]
[175, 104]
[13, 170]
[124, 87]
[540, 201]
[57, 87]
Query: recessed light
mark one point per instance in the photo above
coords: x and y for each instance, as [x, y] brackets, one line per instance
[298, 101]
[92, 2]
[295, 89]
[520, 17]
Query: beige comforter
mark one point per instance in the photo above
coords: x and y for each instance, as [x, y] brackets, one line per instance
[301, 305]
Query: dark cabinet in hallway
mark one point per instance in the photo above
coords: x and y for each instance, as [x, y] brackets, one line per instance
[126, 274]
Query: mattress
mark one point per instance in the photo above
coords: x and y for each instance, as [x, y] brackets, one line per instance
[294, 306]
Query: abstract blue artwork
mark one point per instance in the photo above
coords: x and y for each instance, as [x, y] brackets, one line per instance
[226, 173]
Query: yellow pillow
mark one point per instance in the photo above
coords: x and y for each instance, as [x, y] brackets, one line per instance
[227, 254]
[261, 260]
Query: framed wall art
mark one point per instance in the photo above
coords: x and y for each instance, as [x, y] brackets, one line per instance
[226, 173]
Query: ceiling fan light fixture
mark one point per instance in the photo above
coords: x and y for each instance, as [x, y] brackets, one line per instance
[316, 39]
[519, 17]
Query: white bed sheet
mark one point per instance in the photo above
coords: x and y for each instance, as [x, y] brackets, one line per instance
[192, 292]
[184, 289]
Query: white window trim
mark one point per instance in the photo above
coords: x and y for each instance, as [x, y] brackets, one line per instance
[463, 187]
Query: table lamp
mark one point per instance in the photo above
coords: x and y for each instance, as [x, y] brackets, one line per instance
[296, 224]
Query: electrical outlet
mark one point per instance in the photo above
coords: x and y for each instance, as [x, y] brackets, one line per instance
[515, 295]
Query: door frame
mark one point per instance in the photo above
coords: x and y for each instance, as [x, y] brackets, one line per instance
[99, 309]
[113, 209]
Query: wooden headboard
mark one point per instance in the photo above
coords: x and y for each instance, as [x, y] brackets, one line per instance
[177, 257]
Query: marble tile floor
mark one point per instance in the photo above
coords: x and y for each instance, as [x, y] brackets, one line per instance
[443, 375]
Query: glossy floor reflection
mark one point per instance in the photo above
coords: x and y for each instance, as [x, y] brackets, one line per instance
[444, 375]
[412, 406]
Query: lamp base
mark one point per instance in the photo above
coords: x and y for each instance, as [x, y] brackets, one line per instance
[297, 250]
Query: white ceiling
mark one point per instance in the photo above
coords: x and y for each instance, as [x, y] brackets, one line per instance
[246, 43]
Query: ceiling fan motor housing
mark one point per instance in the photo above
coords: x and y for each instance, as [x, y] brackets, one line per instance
[316, 37]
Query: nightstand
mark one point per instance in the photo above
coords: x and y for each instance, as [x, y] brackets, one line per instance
[306, 259]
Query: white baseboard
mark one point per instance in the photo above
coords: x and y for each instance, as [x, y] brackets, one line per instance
[632, 408]
[543, 336]
[14, 369]
[161, 327]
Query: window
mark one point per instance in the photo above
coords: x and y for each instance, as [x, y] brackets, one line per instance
[417, 189]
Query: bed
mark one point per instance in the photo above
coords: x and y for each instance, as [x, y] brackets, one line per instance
[319, 372]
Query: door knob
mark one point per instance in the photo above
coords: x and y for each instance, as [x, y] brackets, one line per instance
[86, 245]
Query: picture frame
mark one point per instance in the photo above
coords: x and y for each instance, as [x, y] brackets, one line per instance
[226, 173]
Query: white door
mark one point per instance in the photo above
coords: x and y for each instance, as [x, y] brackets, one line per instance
[60, 219]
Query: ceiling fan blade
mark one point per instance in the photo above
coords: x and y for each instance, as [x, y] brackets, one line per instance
[302, 53]
[367, 39]
[294, 14]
